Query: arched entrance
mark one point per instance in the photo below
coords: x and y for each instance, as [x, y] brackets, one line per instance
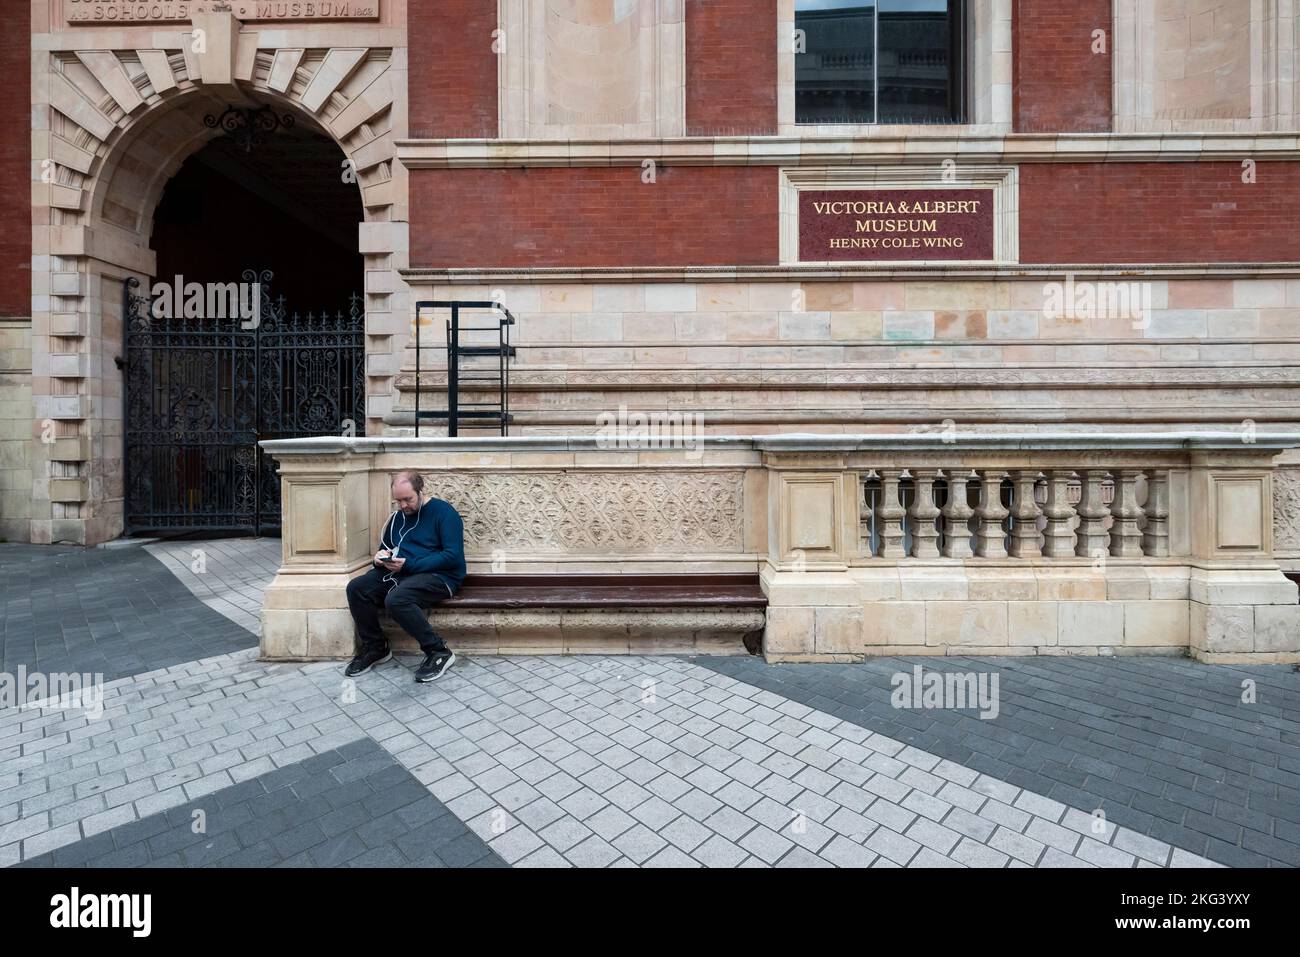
[119, 116]
[253, 326]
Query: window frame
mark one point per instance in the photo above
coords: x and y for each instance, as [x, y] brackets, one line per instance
[958, 65]
[986, 70]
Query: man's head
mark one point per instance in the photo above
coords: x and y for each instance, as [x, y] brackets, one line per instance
[407, 488]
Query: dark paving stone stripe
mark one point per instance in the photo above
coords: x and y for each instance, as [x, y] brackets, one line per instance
[115, 611]
[352, 807]
[1165, 746]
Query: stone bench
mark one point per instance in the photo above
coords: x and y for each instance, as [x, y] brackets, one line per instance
[864, 545]
[589, 614]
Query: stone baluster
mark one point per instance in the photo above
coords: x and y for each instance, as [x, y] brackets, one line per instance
[1092, 534]
[864, 515]
[1126, 531]
[923, 513]
[1155, 538]
[1024, 531]
[957, 515]
[1058, 536]
[890, 514]
[989, 535]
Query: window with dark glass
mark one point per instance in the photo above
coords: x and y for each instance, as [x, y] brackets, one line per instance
[888, 61]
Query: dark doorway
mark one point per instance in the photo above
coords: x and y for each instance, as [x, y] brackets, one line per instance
[203, 386]
[282, 206]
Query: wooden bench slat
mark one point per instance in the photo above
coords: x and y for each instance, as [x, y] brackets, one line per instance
[609, 591]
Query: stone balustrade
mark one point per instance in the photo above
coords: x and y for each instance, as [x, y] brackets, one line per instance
[959, 512]
[1070, 543]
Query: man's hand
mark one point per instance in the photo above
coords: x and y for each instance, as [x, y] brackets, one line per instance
[383, 560]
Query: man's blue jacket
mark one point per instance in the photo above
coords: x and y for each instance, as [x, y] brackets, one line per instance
[432, 541]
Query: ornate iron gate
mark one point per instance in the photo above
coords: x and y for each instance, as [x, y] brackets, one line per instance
[200, 392]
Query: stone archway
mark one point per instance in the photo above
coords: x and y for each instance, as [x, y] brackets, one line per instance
[119, 124]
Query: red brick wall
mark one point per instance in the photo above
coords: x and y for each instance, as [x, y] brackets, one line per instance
[599, 216]
[452, 77]
[730, 67]
[15, 166]
[1158, 212]
[1058, 83]
[700, 215]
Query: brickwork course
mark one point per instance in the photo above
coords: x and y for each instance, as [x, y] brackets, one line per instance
[1062, 76]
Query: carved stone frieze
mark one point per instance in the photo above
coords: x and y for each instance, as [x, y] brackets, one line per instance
[1286, 511]
[650, 512]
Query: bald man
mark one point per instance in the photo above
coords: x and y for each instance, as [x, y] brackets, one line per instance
[420, 562]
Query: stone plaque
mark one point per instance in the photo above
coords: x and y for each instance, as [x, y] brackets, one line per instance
[81, 12]
[885, 225]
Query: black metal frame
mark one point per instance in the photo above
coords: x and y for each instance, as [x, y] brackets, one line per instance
[503, 352]
[198, 394]
[248, 126]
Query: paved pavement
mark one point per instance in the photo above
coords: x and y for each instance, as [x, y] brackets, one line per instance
[352, 806]
[229, 575]
[616, 761]
[1164, 746]
[114, 611]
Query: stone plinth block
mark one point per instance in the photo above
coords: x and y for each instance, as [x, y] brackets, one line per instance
[966, 623]
[1277, 630]
[789, 631]
[284, 634]
[1220, 629]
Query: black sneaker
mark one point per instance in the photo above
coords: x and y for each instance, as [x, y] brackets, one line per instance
[435, 665]
[366, 660]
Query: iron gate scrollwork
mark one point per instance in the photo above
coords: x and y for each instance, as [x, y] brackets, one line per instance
[200, 392]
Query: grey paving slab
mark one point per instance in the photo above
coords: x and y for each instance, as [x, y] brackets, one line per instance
[559, 761]
[1164, 747]
[229, 575]
[384, 816]
[109, 611]
[780, 821]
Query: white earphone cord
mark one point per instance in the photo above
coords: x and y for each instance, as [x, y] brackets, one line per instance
[420, 511]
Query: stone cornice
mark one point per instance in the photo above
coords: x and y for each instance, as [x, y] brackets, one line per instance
[501, 275]
[974, 146]
[928, 376]
[1029, 441]
[810, 442]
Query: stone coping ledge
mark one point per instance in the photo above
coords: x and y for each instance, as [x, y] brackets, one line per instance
[801, 442]
[1030, 441]
[822, 272]
[965, 143]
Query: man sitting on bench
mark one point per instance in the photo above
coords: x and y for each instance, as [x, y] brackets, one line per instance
[420, 562]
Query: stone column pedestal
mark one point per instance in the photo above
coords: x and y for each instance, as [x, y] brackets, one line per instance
[1243, 608]
[814, 610]
[326, 540]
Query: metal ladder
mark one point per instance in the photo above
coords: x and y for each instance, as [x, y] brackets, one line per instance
[493, 373]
